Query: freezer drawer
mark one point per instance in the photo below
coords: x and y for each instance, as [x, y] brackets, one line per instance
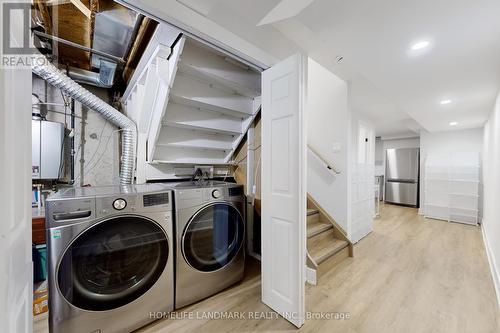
[401, 193]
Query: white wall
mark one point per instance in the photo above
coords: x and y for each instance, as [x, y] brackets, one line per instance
[401, 143]
[459, 141]
[328, 123]
[491, 183]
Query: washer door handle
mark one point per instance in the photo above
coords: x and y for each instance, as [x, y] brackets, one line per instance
[72, 215]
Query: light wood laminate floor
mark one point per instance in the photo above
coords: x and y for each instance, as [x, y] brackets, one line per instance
[409, 275]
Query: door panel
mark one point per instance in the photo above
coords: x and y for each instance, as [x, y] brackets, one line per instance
[16, 289]
[402, 163]
[113, 263]
[283, 189]
[213, 237]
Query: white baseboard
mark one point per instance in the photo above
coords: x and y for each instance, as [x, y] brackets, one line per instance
[421, 211]
[311, 276]
[494, 269]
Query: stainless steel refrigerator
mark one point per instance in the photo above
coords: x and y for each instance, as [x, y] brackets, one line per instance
[402, 176]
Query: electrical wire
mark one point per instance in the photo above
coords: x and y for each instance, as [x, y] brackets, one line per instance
[99, 143]
[89, 169]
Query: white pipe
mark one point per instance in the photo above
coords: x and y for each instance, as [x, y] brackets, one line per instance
[58, 79]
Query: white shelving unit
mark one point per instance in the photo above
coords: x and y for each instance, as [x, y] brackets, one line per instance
[193, 106]
[452, 187]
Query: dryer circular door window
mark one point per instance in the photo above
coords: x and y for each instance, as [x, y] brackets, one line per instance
[213, 237]
[112, 263]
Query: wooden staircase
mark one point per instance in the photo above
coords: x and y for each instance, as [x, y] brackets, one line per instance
[327, 243]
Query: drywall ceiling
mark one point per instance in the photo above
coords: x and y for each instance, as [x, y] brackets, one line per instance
[461, 64]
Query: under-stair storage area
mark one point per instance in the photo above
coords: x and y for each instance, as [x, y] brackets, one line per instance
[204, 105]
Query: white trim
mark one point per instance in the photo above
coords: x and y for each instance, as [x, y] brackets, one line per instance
[494, 269]
[311, 277]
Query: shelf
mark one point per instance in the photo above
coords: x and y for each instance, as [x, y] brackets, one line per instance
[191, 161]
[181, 155]
[198, 60]
[213, 76]
[198, 128]
[184, 116]
[192, 92]
[199, 147]
[189, 139]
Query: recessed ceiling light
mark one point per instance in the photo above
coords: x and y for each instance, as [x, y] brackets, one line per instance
[446, 101]
[453, 123]
[420, 45]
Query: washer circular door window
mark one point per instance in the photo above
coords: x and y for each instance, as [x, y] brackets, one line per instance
[113, 263]
[213, 237]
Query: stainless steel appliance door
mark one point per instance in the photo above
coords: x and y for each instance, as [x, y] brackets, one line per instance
[402, 164]
[401, 193]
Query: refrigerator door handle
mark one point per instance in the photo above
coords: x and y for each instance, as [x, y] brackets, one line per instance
[406, 181]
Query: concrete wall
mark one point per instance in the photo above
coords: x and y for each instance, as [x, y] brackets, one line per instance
[96, 140]
[491, 181]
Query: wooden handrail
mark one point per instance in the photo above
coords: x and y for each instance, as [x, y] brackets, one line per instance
[328, 165]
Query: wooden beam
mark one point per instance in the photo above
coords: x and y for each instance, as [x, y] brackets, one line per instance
[56, 2]
[47, 20]
[78, 4]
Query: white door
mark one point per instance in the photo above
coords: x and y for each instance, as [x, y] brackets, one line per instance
[16, 281]
[284, 188]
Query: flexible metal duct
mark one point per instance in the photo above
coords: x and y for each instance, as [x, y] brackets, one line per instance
[55, 77]
[88, 77]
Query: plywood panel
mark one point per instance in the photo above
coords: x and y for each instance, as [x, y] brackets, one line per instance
[71, 24]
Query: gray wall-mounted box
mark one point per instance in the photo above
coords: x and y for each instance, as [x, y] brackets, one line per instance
[46, 149]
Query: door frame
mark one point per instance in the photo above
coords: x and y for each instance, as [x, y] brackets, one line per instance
[226, 42]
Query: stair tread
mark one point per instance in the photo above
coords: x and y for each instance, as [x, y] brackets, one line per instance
[314, 228]
[324, 245]
[312, 211]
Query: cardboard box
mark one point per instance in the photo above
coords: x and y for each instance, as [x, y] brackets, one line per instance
[40, 302]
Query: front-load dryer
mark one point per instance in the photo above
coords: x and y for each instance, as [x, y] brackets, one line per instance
[110, 257]
[210, 231]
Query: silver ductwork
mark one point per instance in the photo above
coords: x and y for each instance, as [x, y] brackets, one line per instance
[105, 78]
[55, 77]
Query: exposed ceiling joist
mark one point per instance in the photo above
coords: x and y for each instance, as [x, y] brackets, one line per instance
[85, 11]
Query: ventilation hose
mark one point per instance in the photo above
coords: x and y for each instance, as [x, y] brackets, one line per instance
[51, 74]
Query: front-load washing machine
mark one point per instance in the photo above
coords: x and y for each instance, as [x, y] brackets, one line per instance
[210, 231]
[110, 257]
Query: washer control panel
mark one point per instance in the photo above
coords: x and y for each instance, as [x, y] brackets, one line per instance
[216, 194]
